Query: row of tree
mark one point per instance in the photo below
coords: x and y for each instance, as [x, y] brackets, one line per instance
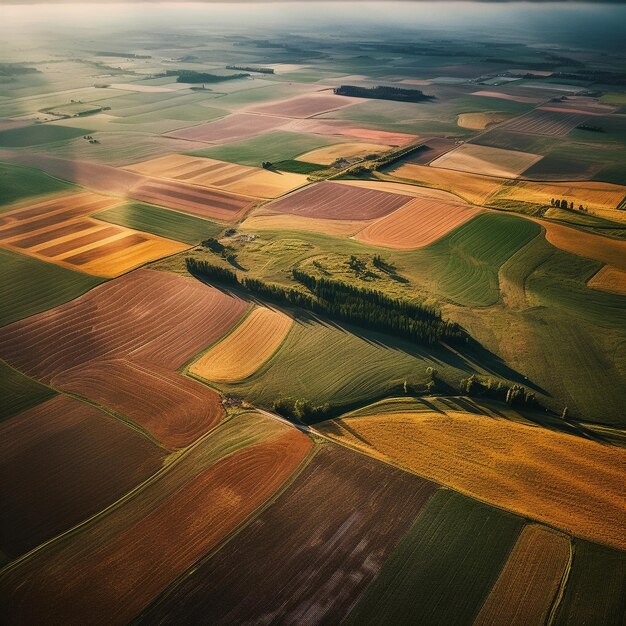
[382, 92]
[514, 395]
[191, 76]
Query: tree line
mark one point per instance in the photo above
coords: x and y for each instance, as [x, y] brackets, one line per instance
[191, 76]
[382, 92]
[369, 308]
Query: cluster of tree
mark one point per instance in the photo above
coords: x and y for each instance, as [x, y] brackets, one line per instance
[591, 127]
[335, 299]
[382, 93]
[563, 204]
[301, 410]
[514, 395]
[249, 68]
[226, 252]
[16, 69]
[191, 76]
[383, 265]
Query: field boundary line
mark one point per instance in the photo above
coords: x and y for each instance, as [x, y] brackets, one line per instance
[558, 598]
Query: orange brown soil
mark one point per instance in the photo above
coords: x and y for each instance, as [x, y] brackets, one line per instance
[356, 512]
[471, 187]
[58, 230]
[304, 106]
[596, 247]
[530, 580]
[63, 461]
[246, 348]
[145, 325]
[342, 129]
[590, 194]
[567, 482]
[480, 121]
[240, 179]
[339, 202]
[329, 154]
[285, 221]
[487, 161]
[416, 224]
[609, 279]
[126, 573]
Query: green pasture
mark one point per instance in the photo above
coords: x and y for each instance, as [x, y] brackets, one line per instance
[19, 392]
[38, 134]
[17, 182]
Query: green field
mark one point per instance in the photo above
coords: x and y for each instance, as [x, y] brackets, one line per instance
[28, 286]
[162, 222]
[19, 392]
[38, 134]
[298, 167]
[17, 182]
[442, 571]
[273, 147]
[595, 588]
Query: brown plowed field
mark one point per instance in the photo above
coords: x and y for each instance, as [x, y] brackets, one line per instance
[431, 150]
[63, 461]
[173, 408]
[310, 555]
[530, 580]
[471, 187]
[566, 481]
[231, 127]
[339, 202]
[545, 122]
[154, 321]
[304, 106]
[285, 221]
[416, 224]
[252, 181]
[596, 247]
[609, 279]
[126, 573]
[245, 349]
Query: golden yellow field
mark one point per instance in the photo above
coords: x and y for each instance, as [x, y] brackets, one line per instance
[480, 121]
[286, 221]
[609, 279]
[471, 187]
[249, 181]
[530, 580]
[245, 349]
[486, 160]
[595, 195]
[568, 482]
[59, 230]
[329, 154]
[596, 247]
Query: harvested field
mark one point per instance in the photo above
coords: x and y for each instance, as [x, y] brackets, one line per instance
[235, 126]
[285, 221]
[595, 588]
[57, 231]
[28, 285]
[329, 154]
[506, 96]
[579, 104]
[120, 563]
[138, 87]
[545, 122]
[246, 348]
[341, 128]
[63, 461]
[19, 392]
[315, 549]
[304, 106]
[486, 160]
[340, 202]
[530, 580]
[174, 409]
[252, 181]
[609, 279]
[594, 195]
[405, 189]
[570, 483]
[596, 247]
[444, 568]
[416, 224]
[480, 121]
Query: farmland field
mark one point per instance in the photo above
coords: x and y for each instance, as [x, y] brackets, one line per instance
[313, 313]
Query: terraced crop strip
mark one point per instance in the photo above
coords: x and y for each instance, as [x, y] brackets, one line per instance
[290, 222]
[545, 122]
[568, 482]
[316, 548]
[120, 562]
[63, 461]
[244, 350]
[416, 224]
[154, 323]
[341, 202]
